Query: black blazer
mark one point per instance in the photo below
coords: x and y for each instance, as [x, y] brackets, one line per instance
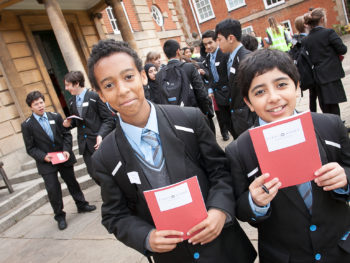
[235, 92]
[124, 209]
[97, 120]
[196, 82]
[220, 88]
[324, 47]
[284, 233]
[38, 143]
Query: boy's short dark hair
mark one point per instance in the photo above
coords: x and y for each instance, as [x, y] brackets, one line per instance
[106, 48]
[170, 47]
[32, 96]
[250, 42]
[208, 34]
[262, 61]
[229, 27]
[75, 77]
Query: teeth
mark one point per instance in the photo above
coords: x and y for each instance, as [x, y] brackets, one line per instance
[277, 109]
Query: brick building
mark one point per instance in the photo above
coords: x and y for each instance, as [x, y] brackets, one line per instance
[202, 15]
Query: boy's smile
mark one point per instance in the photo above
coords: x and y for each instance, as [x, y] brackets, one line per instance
[272, 95]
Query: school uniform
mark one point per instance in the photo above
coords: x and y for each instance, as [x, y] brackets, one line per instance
[289, 231]
[97, 120]
[124, 210]
[38, 143]
[220, 88]
[242, 118]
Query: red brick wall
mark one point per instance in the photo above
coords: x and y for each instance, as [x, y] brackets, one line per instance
[169, 24]
[253, 6]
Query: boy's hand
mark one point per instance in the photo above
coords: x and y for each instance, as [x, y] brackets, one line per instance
[160, 243]
[67, 123]
[331, 176]
[259, 196]
[47, 158]
[211, 227]
[98, 142]
[66, 155]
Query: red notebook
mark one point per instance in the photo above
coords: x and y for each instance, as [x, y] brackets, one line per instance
[288, 149]
[57, 157]
[178, 206]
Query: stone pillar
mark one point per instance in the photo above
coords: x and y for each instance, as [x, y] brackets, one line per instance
[64, 38]
[122, 22]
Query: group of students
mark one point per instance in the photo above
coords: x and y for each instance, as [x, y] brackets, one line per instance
[126, 164]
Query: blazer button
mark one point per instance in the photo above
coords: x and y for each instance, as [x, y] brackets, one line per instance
[313, 228]
[318, 256]
[216, 89]
[83, 126]
[53, 145]
[85, 136]
[196, 255]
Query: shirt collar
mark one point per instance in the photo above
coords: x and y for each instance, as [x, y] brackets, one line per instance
[134, 132]
[37, 117]
[214, 53]
[262, 122]
[81, 95]
[234, 52]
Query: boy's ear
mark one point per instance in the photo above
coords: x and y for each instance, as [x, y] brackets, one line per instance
[144, 77]
[246, 100]
[101, 96]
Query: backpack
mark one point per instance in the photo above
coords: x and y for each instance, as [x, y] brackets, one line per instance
[306, 70]
[176, 88]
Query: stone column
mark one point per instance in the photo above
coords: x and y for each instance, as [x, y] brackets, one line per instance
[64, 38]
[122, 22]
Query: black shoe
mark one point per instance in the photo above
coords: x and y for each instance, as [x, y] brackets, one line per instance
[225, 137]
[62, 224]
[86, 208]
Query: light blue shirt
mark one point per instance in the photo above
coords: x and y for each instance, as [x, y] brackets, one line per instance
[37, 117]
[261, 211]
[81, 96]
[232, 58]
[46, 127]
[133, 135]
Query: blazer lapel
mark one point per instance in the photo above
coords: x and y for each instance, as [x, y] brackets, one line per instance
[37, 127]
[173, 149]
[294, 196]
[85, 101]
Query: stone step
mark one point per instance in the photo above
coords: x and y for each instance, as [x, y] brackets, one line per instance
[32, 174]
[32, 164]
[23, 203]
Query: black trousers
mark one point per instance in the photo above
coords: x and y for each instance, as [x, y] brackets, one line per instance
[224, 119]
[53, 188]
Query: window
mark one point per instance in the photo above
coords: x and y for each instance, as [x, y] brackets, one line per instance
[272, 3]
[247, 30]
[157, 15]
[287, 25]
[204, 10]
[112, 20]
[234, 4]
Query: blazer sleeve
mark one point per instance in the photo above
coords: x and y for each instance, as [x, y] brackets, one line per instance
[214, 162]
[241, 184]
[116, 216]
[337, 43]
[106, 118]
[31, 148]
[67, 136]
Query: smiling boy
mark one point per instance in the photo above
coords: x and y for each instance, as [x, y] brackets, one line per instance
[298, 224]
[126, 166]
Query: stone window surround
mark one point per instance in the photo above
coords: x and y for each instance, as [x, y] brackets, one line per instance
[113, 20]
[198, 14]
[157, 15]
[273, 3]
[230, 2]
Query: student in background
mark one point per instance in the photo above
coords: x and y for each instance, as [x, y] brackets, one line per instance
[278, 37]
[305, 223]
[249, 42]
[151, 89]
[43, 133]
[153, 57]
[116, 73]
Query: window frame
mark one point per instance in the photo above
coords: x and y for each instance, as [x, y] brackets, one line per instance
[157, 9]
[289, 25]
[236, 7]
[273, 5]
[200, 21]
[244, 28]
[112, 20]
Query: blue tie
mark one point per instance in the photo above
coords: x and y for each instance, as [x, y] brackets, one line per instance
[213, 68]
[229, 64]
[46, 126]
[151, 139]
[305, 191]
[79, 108]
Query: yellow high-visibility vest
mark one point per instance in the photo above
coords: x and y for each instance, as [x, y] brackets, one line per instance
[278, 40]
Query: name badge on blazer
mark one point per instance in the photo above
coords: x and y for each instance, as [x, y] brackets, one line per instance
[233, 70]
[85, 104]
[217, 63]
[52, 121]
[134, 177]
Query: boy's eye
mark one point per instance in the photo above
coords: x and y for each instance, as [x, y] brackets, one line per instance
[259, 92]
[129, 77]
[108, 85]
[282, 84]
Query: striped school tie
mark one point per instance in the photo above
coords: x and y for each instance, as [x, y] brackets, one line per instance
[151, 139]
[305, 191]
[46, 126]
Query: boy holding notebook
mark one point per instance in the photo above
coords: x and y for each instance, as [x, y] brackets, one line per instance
[304, 223]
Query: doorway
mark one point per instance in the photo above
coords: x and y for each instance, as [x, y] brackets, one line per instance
[54, 63]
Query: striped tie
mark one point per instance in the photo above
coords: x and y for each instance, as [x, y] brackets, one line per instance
[46, 126]
[213, 69]
[229, 64]
[306, 194]
[151, 139]
[79, 106]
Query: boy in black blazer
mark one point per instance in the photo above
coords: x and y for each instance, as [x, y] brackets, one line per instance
[125, 167]
[291, 229]
[97, 118]
[43, 132]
